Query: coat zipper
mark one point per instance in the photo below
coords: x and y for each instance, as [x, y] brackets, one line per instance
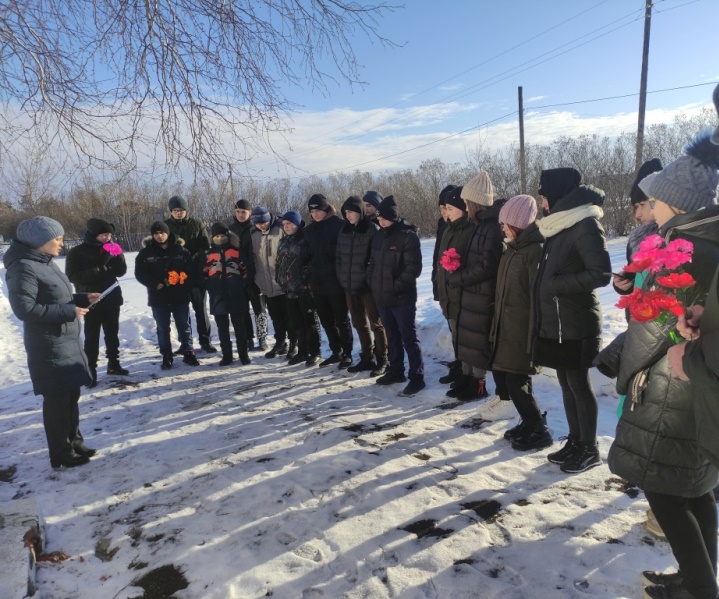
[559, 320]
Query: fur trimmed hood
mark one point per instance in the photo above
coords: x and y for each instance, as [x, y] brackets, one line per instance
[172, 239]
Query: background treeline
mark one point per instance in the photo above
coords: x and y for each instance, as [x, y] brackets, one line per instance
[606, 162]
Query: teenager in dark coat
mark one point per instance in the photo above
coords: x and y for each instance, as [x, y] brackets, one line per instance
[395, 263]
[225, 275]
[292, 274]
[94, 266]
[242, 226]
[353, 250]
[41, 297]
[194, 234]
[441, 226]
[166, 268]
[575, 263]
[321, 235]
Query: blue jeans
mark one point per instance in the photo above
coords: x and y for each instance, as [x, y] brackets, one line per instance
[181, 314]
[399, 324]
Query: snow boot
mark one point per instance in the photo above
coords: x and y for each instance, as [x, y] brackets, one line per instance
[390, 378]
[455, 371]
[93, 373]
[380, 369]
[292, 351]
[536, 436]
[166, 362]
[415, 385]
[333, 359]
[114, 368]
[366, 362]
[190, 359]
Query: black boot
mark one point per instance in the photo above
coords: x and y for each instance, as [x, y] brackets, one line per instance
[226, 360]
[333, 359]
[366, 363]
[191, 359]
[93, 373]
[279, 349]
[84, 450]
[455, 371]
[461, 384]
[166, 362]
[69, 460]
[380, 369]
[114, 368]
[536, 436]
[292, 350]
[345, 361]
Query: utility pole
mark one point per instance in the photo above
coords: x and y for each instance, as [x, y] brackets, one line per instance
[643, 85]
[522, 157]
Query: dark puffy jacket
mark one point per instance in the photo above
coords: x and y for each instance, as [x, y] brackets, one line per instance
[153, 265]
[291, 270]
[41, 297]
[244, 234]
[192, 231]
[225, 276]
[513, 323]
[441, 227]
[575, 262]
[353, 248]
[264, 250]
[478, 279]
[456, 235]
[91, 269]
[322, 243]
[395, 263]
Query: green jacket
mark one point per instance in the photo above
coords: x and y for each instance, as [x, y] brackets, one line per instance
[192, 231]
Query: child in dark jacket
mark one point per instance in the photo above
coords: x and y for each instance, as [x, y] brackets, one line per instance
[225, 274]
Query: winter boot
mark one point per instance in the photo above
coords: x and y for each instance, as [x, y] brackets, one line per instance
[93, 373]
[245, 358]
[190, 359]
[208, 348]
[333, 359]
[390, 378]
[345, 361]
[313, 360]
[415, 385]
[114, 368]
[559, 457]
[536, 436]
[462, 385]
[455, 370]
[84, 450]
[262, 344]
[166, 362]
[279, 349]
[226, 361]
[583, 458]
[380, 369]
[517, 431]
[650, 577]
[669, 591]
[298, 359]
[366, 363]
[292, 350]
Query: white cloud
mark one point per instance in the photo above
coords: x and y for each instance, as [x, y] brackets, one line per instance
[535, 98]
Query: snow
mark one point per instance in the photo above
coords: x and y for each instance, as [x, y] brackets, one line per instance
[283, 481]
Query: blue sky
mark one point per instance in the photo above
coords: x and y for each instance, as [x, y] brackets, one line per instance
[458, 65]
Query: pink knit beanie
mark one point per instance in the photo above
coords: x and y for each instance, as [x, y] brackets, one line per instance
[519, 212]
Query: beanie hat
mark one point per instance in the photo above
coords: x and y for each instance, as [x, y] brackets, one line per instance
[479, 190]
[690, 182]
[373, 198]
[219, 229]
[443, 194]
[555, 183]
[318, 202]
[260, 215]
[519, 211]
[387, 209]
[454, 198]
[38, 230]
[177, 202]
[715, 97]
[354, 204]
[158, 225]
[97, 226]
[243, 205]
[650, 166]
[293, 217]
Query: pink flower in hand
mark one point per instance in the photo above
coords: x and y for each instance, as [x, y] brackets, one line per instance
[112, 248]
[450, 260]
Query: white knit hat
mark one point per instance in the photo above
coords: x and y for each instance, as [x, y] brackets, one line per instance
[479, 190]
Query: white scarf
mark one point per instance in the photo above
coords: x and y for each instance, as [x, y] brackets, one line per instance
[556, 223]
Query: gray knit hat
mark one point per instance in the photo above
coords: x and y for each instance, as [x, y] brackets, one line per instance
[715, 137]
[479, 190]
[177, 202]
[38, 230]
[690, 182]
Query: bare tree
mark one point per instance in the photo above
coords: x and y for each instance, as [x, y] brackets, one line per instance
[169, 81]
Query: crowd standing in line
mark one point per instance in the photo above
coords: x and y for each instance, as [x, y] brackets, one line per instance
[518, 293]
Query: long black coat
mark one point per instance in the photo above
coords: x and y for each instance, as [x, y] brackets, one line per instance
[395, 263]
[322, 245]
[225, 276]
[354, 244]
[513, 323]
[41, 297]
[152, 265]
[91, 269]
[291, 270]
[575, 262]
[456, 235]
[478, 279]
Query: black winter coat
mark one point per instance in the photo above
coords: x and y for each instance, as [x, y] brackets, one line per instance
[354, 244]
[456, 235]
[153, 265]
[225, 276]
[192, 231]
[441, 226]
[91, 269]
[395, 264]
[322, 244]
[244, 233]
[513, 323]
[292, 271]
[41, 297]
[575, 262]
[478, 280]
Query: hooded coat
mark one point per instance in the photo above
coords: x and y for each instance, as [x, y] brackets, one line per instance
[225, 277]
[264, 250]
[477, 278]
[291, 270]
[153, 265]
[456, 235]
[41, 297]
[322, 244]
[575, 262]
[354, 244]
[395, 264]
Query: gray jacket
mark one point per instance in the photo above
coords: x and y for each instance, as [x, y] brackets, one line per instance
[264, 248]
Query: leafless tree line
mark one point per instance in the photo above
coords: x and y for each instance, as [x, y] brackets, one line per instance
[606, 162]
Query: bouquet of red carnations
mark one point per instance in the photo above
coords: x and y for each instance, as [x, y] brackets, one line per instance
[450, 260]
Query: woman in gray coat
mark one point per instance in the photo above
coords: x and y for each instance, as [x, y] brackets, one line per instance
[41, 297]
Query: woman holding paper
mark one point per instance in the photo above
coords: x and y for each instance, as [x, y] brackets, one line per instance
[41, 297]
[92, 266]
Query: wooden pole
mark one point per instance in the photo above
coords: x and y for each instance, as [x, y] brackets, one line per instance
[522, 156]
[643, 85]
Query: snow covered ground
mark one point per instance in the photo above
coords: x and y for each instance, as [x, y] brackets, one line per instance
[276, 480]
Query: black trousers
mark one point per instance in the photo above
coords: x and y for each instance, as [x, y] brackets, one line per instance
[518, 388]
[691, 528]
[105, 317]
[202, 318]
[335, 319]
[61, 417]
[223, 332]
[277, 307]
[580, 404]
[302, 319]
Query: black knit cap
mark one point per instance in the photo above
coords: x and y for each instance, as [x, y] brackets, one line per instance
[243, 204]
[318, 202]
[354, 204]
[443, 194]
[555, 183]
[98, 226]
[219, 229]
[454, 198]
[650, 166]
[388, 209]
[158, 225]
[373, 198]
